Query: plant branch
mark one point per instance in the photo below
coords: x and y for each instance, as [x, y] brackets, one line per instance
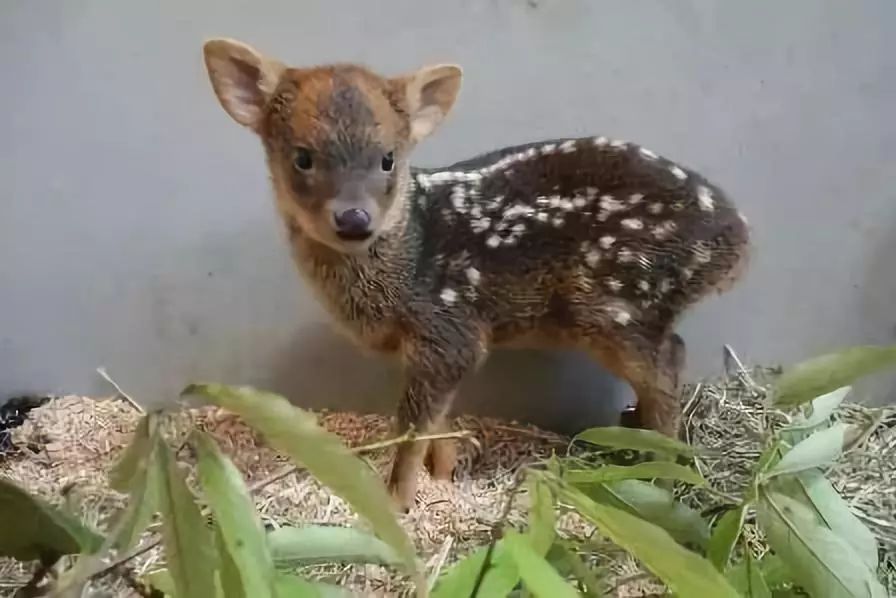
[374, 446]
[121, 393]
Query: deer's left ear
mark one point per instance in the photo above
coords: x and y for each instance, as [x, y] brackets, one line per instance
[431, 93]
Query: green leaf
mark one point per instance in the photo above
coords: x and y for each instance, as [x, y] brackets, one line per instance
[138, 475]
[313, 544]
[294, 431]
[132, 462]
[818, 559]
[818, 494]
[291, 586]
[160, 579]
[33, 529]
[642, 471]
[775, 572]
[537, 574]
[725, 536]
[229, 577]
[653, 504]
[234, 511]
[818, 450]
[189, 547]
[747, 578]
[500, 578]
[570, 560]
[685, 572]
[820, 375]
[542, 517]
[617, 437]
[821, 409]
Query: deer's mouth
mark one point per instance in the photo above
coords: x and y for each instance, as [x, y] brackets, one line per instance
[354, 236]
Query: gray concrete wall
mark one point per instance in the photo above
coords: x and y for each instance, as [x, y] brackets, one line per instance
[137, 230]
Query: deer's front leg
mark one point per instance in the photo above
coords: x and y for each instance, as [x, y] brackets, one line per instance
[435, 369]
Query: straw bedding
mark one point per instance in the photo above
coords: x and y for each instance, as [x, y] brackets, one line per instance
[64, 448]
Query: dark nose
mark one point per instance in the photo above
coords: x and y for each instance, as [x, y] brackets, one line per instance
[353, 224]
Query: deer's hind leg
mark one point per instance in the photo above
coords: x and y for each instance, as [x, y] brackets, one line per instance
[653, 370]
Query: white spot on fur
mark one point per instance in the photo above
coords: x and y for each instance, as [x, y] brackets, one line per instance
[621, 317]
[448, 296]
[625, 255]
[437, 178]
[481, 225]
[643, 285]
[476, 211]
[704, 199]
[601, 141]
[702, 253]
[614, 284]
[549, 148]
[655, 208]
[495, 203]
[648, 154]
[618, 143]
[607, 241]
[473, 275]
[664, 230]
[511, 239]
[635, 198]
[554, 201]
[665, 285]
[517, 210]
[579, 201]
[644, 261]
[610, 204]
[519, 228]
[458, 198]
[686, 273]
[566, 205]
[678, 172]
[493, 241]
[569, 146]
[542, 216]
[592, 258]
[557, 221]
[632, 223]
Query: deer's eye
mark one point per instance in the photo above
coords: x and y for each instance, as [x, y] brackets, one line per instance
[303, 159]
[388, 162]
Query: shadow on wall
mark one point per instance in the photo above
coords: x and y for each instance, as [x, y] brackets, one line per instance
[878, 302]
[561, 391]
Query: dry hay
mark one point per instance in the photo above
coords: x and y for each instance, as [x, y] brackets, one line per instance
[65, 448]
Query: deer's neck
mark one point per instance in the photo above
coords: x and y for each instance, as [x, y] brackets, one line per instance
[360, 290]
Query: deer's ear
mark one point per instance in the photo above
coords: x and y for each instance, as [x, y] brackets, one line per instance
[431, 93]
[242, 78]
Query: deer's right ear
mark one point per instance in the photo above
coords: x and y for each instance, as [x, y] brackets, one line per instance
[243, 79]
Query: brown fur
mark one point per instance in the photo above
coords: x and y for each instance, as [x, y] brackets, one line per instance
[582, 243]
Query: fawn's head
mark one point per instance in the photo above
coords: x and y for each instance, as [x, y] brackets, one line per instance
[337, 137]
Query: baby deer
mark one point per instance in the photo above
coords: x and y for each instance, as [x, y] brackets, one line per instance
[588, 243]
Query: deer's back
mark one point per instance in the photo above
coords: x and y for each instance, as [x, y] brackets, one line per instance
[573, 233]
